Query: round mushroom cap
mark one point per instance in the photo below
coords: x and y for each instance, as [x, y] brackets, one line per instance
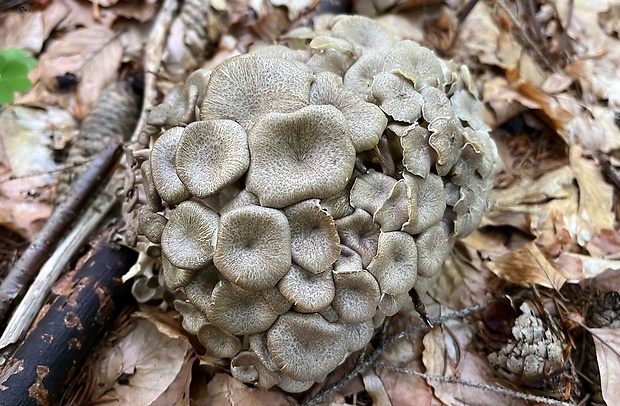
[433, 248]
[395, 210]
[246, 87]
[371, 190]
[151, 224]
[300, 155]
[308, 291]
[363, 31]
[397, 97]
[218, 342]
[248, 368]
[186, 239]
[253, 248]
[427, 202]
[175, 277]
[366, 121]
[356, 296]
[193, 318]
[163, 167]
[395, 265]
[415, 63]
[152, 196]
[359, 232]
[211, 155]
[239, 312]
[305, 346]
[315, 244]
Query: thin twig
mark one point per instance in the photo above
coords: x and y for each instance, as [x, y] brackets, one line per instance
[478, 385]
[42, 173]
[27, 267]
[152, 60]
[372, 359]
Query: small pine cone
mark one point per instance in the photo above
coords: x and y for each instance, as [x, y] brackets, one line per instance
[533, 354]
[605, 312]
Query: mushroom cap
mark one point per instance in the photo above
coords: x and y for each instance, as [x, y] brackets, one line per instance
[362, 73]
[243, 198]
[315, 244]
[338, 205]
[417, 64]
[357, 295]
[239, 312]
[363, 31]
[211, 155]
[217, 342]
[300, 155]
[371, 190]
[305, 346]
[253, 248]
[360, 334]
[433, 248]
[152, 196]
[359, 232]
[200, 287]
[175, 277]
[186, 239]
[366, 121]
[395, 265]
[417, 152]
[427, 202]
[308, 291]
[394, 211]
[248, 368]
[389, 305]
[245, 87]
[193, 318]
[163, 161]
[276, 300]
[397, 97]
[151, 224]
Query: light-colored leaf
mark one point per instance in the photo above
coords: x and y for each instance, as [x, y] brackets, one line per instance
[607, 343]
[149, 359]
[94, 54]
[224, 390]
[527, 265]
[595, 198]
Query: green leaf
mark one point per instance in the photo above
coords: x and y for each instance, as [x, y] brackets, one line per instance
[15, 64]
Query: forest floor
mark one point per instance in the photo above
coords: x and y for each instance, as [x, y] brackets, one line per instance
[544, 265]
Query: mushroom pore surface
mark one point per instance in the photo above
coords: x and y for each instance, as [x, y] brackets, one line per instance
[305, 191]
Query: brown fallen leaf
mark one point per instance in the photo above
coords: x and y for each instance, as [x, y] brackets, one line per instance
[142, 366]
[527, 265]
[224, 390]
[595, 198]
[448, 352]
[94, 54]
[607, 343]
[177, 394]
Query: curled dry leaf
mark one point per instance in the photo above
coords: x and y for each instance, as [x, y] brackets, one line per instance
[607, 343]
[448, 352]
[224, 390]
[93, 53]
[151, 361]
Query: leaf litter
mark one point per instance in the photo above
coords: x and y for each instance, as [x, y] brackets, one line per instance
[551, 237]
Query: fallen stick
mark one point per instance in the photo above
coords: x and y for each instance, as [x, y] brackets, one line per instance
[38, 372]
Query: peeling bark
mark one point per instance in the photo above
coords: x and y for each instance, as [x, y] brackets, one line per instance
[42, 367]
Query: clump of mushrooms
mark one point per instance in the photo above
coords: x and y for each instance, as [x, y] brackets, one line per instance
[295, 197]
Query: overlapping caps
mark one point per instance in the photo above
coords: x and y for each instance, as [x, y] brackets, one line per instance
[298, 195]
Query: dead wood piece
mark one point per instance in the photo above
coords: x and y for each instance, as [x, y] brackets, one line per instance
[42, 367]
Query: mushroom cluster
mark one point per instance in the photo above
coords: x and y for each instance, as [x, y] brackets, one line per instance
[295, 196]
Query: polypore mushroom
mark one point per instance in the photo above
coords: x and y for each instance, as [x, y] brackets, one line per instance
[315, 244]
[305, 347]
[248, 368]
[163, 160]
[300, 155]
[307, 291]
[246, 87]
[366, 121]
[371, 190]
[239, 312]
[186, 239]
[395, 265]
[217, 342]
[417, 64]
[359, 232]
[397, 97]
[151, 224]
[356, 296]
[253, 248]
[427, 202]
[211, 155]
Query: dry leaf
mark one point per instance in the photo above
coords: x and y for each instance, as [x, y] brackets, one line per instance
[224, 390]
[448, 352]
[94, 54]
[177, 394]
[578, 267]
[595, 199]
[22, 30]
[376, 390]
[295, 7]
[25, 137]
[149, 360]
[607, 343]
[527, 265]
